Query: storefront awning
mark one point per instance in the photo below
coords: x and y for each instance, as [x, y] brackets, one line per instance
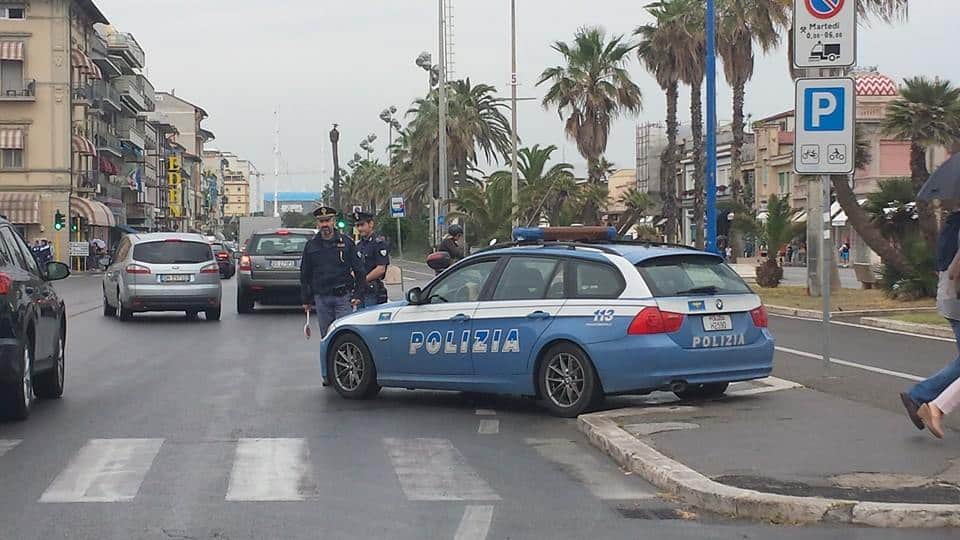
[95, 212]
[11, 139]
[19, 207]
[11, 50]
[107, 167]
[840, 218]
[83, 145]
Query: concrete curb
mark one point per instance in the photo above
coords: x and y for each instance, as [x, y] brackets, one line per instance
[912, 328]
[702, 492]
[818, 315]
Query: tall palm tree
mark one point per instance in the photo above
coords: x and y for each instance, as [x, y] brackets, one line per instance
[927, 114]
[487, 210]
[593, 88]
[659, 52]
[542, 190]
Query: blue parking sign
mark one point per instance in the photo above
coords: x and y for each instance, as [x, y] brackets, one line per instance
[824, 109]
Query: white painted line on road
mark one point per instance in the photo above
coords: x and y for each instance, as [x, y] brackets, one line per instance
[847, 363]
[864, 327]
[271, 470]
[7, 445]
[770, 384]
[104, 470]
[486, 412]
[602, 478]
[489, 427]
[475, 524]
[434, 470]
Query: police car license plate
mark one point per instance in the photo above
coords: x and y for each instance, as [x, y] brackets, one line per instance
[174, 278]
[283, 264]
[716, 323]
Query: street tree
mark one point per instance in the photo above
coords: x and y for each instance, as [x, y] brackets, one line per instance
[638, 204]
[487, 210]
[775, 231]
[544, 188]
[593, 88]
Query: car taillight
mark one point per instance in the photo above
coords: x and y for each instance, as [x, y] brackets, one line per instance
[5, 283]
[245, 265]
[283, 232]
[223, 255]
[137, 269]
[651, 320]
[210, 269]
[760, 319]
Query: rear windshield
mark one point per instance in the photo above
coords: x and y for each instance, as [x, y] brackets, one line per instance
[167, 252]
[278, 244]
[690, 275]
[217, 248]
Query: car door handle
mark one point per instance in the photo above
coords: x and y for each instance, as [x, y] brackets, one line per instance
[538, 315]
[460, 317]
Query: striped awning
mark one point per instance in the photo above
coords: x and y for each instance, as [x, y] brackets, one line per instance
[93, 70]
[95, 212]
[20, 207]
[11, 139]
[78, 59]
[82, 145]
[11, 50]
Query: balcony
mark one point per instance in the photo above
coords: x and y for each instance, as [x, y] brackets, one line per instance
[124, 45]
[130, 131]
[150, 137]
[82, 94]
[27, 91]
[108, 142]
[104, 94]
[136, 92]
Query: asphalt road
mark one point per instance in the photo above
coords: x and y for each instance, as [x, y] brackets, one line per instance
[202, 430]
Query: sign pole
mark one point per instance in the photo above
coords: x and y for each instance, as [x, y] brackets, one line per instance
[399, 239]
[711, 136]
[826, 252]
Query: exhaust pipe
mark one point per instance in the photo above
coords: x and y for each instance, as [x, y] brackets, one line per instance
[678, 386]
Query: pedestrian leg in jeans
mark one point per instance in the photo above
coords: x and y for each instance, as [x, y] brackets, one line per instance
[325, 312]
[928, 389]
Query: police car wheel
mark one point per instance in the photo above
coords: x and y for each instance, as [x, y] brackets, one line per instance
[702, 391]
[351, 369]
[568, 382]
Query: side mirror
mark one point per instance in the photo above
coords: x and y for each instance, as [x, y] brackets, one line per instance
[57, 271]
[415, 296]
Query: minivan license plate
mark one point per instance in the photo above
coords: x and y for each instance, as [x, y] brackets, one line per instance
[716, 323]
[174, 278]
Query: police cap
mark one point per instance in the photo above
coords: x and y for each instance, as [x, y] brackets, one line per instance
[325, 212]
[361, 217]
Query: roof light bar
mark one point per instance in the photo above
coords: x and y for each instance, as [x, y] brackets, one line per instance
[566, 234]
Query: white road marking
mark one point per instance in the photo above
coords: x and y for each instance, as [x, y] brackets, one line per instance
[7, 445]
[601, 478]
[489, 427]
[271, 470]
[865, 327]
[874, 369]
[770, 384]
[475, 524]
[486, 412]
[104, 470]
[434, 470]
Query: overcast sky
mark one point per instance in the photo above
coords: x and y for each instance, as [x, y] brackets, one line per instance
[332, 61]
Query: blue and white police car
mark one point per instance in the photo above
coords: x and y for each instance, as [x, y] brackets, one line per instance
[565, 321]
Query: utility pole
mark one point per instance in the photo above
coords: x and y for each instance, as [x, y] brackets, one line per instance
[442, 138]
[276, 162]
[334, 138]
[514, 176]
[711, 141]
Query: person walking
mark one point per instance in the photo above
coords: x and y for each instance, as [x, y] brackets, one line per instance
[373, 247]
[948, 304]
[932, 413]
[331, 272]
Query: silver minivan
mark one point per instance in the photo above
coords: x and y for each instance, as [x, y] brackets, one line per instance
[162, 272]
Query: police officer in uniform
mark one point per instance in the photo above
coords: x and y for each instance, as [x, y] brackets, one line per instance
[331, 272]
[373, 246]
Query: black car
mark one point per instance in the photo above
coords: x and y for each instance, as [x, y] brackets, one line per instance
[33, 327]
[226, 259]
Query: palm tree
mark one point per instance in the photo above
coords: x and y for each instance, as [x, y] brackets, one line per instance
[658, 51]
[542, 190]
[927, 114]
[776, 231]
[487, 210]
[476, 119]
[638, 204]
[596, 89]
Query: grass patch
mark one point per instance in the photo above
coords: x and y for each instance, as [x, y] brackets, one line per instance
[842, 300]
[921, 318]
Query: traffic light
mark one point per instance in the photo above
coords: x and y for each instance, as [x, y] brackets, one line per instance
[75, 226]
[59, 220]
[341, 223]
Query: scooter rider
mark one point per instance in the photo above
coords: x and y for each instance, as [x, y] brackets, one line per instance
[374, 248]
[453, 243]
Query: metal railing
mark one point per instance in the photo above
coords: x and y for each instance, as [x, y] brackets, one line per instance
[107, 141]
[29, 90]
[104, 91]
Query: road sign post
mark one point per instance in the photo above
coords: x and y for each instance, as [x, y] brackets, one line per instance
[398, 210]
[824, 40]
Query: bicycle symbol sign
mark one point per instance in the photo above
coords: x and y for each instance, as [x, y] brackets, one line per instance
[824, 9]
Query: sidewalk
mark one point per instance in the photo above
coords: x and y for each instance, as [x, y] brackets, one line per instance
[790, 455]
[793, 275]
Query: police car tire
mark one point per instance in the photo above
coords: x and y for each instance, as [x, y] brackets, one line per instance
[702, 391]
[108, 310]
[592, 393]
[368, 386]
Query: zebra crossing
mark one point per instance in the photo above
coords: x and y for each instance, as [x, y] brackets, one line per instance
[282, 470]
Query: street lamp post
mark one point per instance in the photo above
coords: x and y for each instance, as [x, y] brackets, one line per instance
[711, 142]
[442, 138]
[514, 175]
[334, 138]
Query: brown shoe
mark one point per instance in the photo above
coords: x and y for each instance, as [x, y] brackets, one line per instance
[931, 417]
[912, 407]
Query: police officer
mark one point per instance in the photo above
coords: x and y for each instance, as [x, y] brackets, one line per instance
[373, 246]
[331, 272]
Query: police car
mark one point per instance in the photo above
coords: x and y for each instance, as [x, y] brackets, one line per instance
[564, 321]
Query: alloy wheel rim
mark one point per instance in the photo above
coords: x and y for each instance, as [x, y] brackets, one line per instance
[27, 377]
[348, 367]
[565, 380]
